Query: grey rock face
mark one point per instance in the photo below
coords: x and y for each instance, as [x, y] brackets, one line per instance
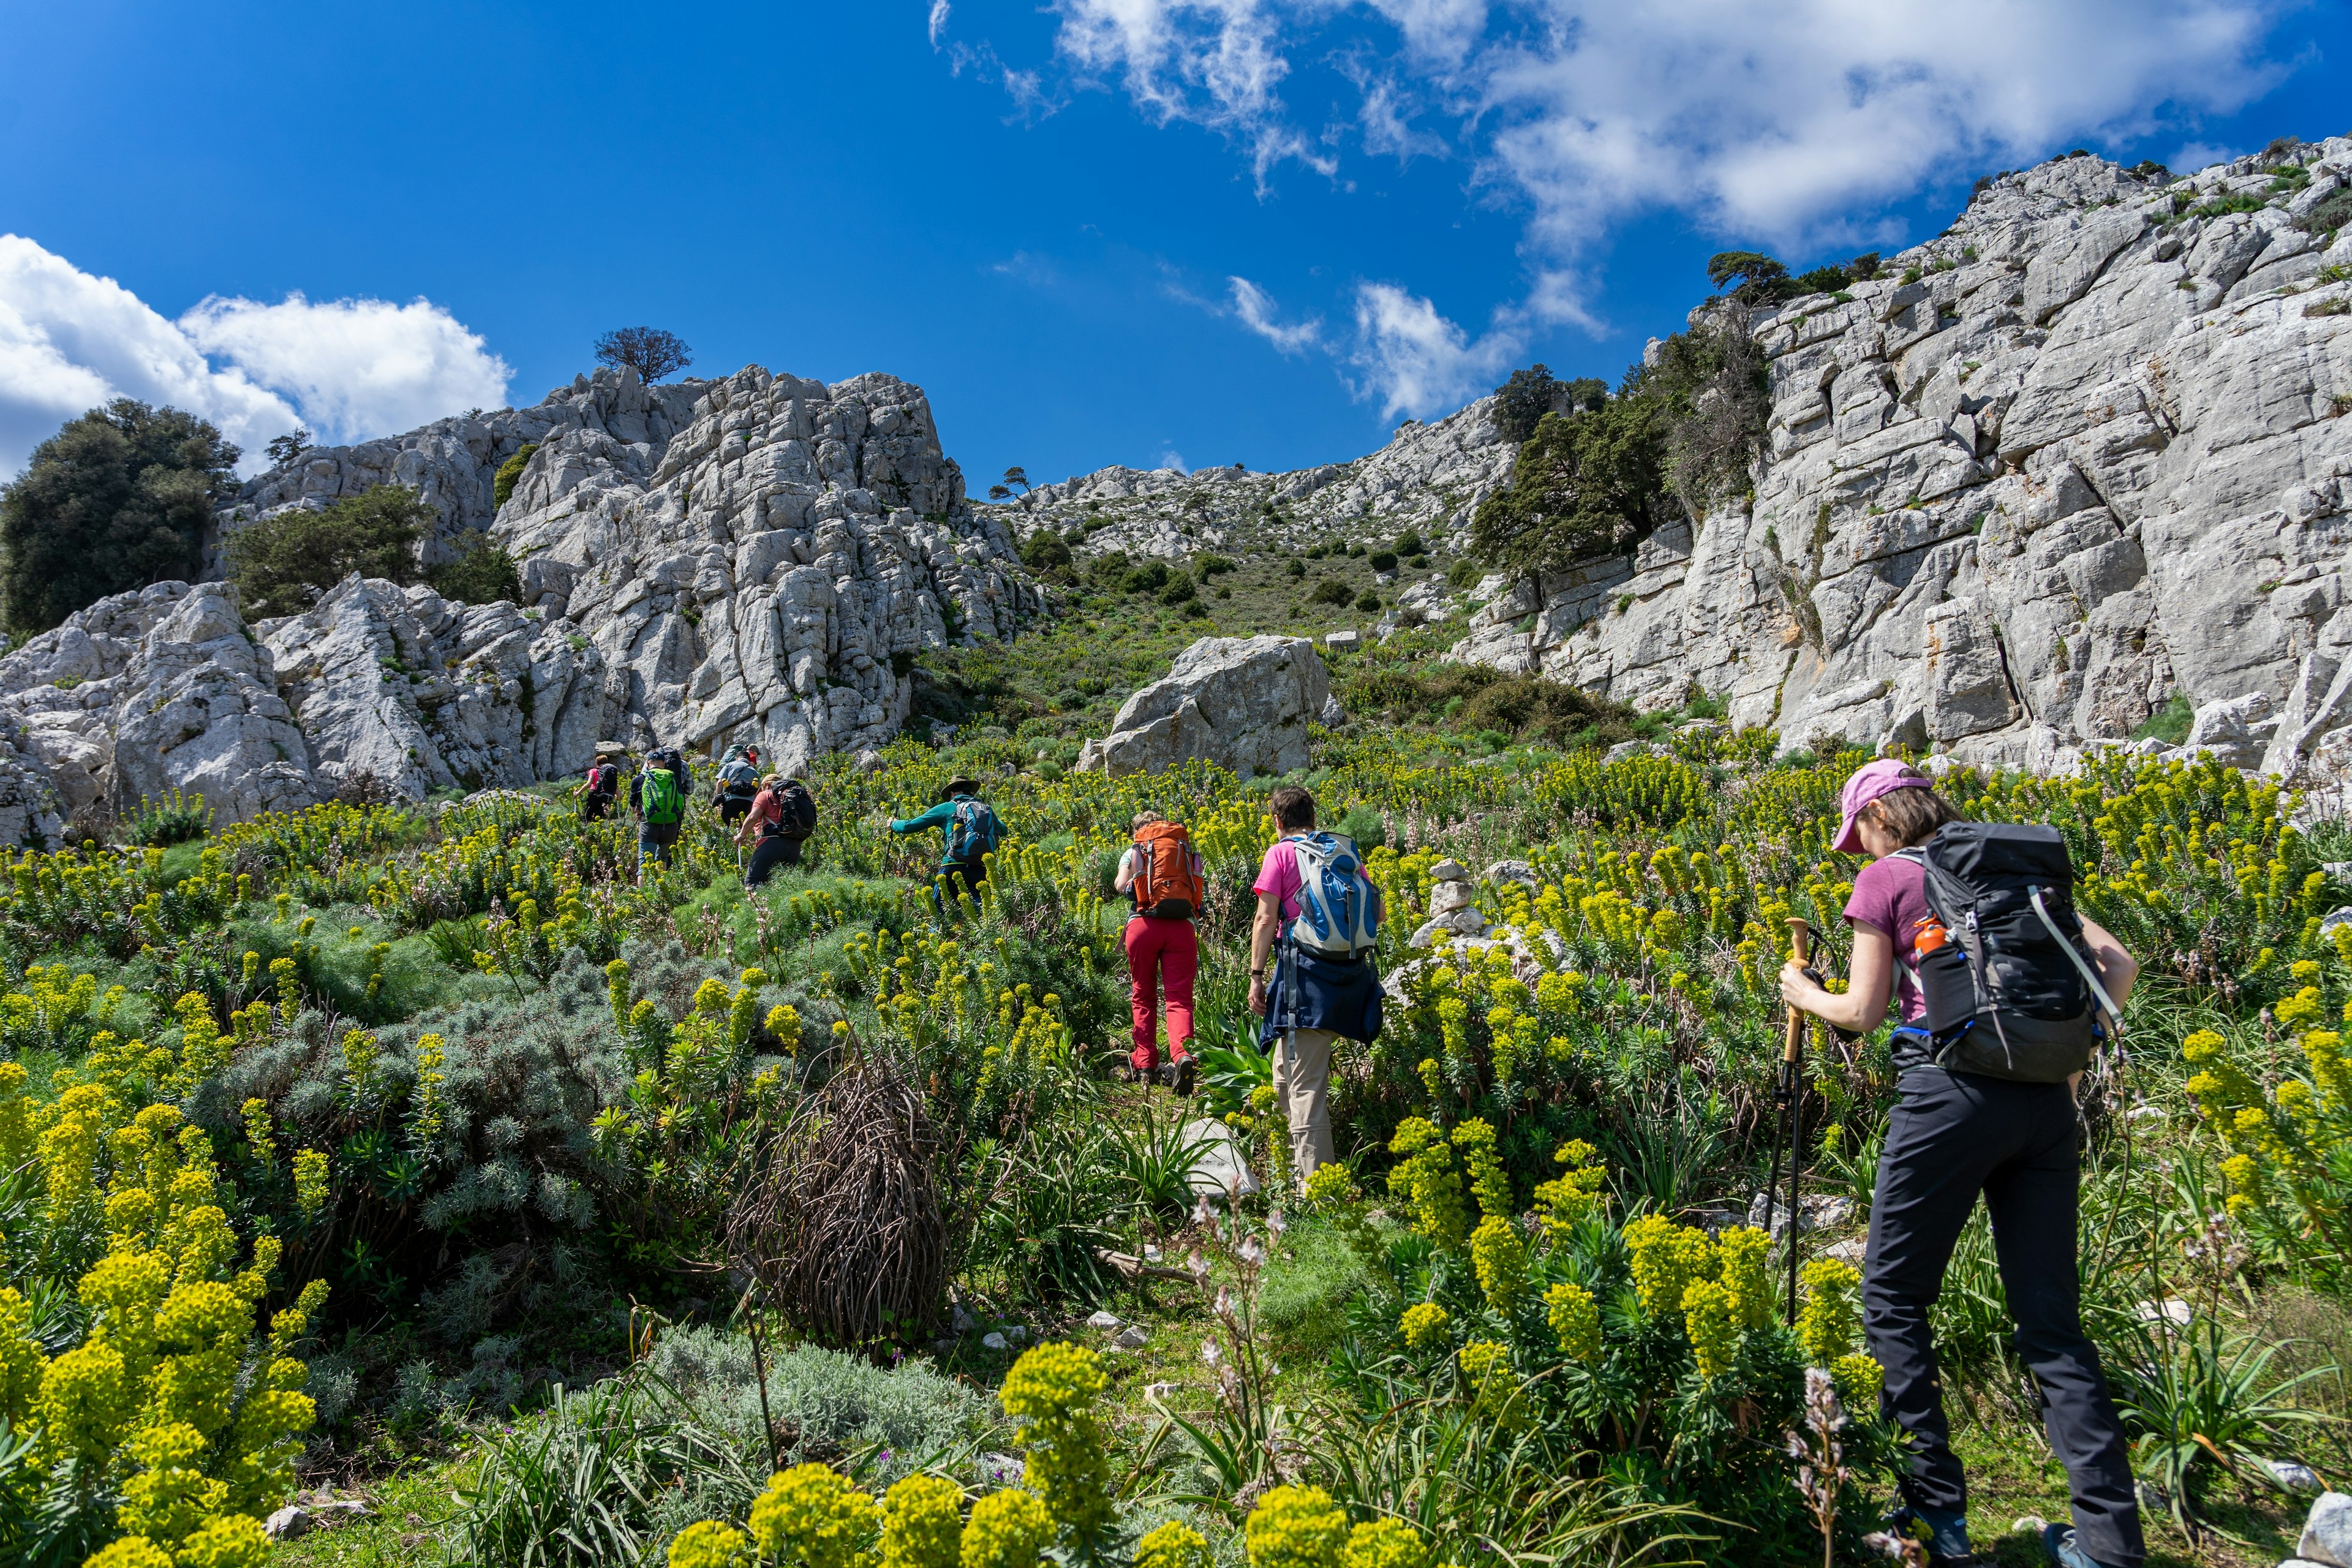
[2327, 1531]
[2093, 454]
[402, 691]
[1241, 701]
[752, 559]
[197, 709]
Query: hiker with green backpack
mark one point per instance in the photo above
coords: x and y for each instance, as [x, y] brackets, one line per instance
[658, 797]
[970, 830]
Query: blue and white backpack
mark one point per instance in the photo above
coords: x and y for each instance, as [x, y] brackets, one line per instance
[1338, 908]
[976, 830]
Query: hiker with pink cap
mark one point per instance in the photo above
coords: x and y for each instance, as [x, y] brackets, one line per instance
[1969, 929]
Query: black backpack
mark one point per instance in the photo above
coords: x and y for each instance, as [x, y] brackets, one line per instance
[798, 809]
[2011, 994]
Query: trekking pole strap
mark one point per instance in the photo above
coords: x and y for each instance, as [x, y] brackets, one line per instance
[2090, 977]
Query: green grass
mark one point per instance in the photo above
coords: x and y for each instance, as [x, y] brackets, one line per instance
[2169, 724]
[412, 1505]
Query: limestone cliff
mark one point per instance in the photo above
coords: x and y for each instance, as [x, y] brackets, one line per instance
[2084, 451]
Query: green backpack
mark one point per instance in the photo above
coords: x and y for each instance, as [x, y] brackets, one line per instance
[664, 803]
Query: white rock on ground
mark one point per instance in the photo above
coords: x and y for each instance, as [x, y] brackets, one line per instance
[2327, 1531]
[1245, 702]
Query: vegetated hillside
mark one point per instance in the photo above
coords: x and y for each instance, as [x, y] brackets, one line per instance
[455, 1109]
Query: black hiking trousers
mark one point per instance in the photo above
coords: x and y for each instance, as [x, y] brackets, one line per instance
[1952, 1136]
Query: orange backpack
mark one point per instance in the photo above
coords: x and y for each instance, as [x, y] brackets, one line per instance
[1165, 886]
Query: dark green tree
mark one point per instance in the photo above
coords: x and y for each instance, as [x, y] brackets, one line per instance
[280, 564]
[118, 498]
[1587, 483]
[284, 449]
[1519, 401]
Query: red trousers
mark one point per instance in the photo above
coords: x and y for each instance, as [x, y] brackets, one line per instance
[1158, 951]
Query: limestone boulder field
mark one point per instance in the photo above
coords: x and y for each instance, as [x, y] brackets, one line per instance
[1242, 702]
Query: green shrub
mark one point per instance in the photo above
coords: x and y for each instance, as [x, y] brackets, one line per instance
[1409, 542]
[1294, 568]
[176, 818]
[1331, 590]
[1046, 549]
[1369, 602]
[281, 562]
[481, 573]
[1384, 561]
[503, 483]
[1181, 591]
[1148, 578]
[2170, 722]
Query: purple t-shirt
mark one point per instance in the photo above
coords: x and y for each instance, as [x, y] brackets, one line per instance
[1890, 896]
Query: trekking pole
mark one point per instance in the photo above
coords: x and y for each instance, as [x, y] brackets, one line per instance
[1792, 1098]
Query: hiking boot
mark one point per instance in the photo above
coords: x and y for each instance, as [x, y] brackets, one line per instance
[1181, 1078]
[1946, 1533]
[2058, 1541]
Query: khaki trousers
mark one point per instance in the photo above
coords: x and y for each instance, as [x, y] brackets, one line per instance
[1302, 1087]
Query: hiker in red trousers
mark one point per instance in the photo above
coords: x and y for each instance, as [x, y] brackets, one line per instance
[1162, 873]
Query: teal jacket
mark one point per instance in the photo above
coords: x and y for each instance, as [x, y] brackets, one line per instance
[942, 817]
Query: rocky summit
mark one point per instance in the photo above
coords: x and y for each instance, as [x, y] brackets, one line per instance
[758, 558]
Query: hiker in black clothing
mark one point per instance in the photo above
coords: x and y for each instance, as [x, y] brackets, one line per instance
[780, 821]
[1951, 1136]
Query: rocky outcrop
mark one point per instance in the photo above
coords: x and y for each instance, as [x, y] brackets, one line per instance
[402, 691]
[2084, 451]
[1244, 703]
[145, 693]
[770, 573]
[754, 558]
[453, 463]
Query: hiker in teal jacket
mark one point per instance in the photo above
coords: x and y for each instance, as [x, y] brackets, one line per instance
[970, 829]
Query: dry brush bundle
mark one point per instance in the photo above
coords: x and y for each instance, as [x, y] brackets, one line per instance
[840, 1224]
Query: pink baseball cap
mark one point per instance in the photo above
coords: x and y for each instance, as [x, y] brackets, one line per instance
[1871, 781]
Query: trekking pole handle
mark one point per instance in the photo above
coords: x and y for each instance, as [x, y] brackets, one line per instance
[1801, 931]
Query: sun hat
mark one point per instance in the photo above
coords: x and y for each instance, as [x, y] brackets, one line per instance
[1871, 781]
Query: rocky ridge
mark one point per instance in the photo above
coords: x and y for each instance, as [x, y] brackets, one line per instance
[1428, 477]
[2081, 452]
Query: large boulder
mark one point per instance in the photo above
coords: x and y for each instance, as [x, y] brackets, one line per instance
[1245, 702]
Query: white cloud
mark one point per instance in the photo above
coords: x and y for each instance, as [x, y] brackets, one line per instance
[69, 341]
[1255, 309]
[1793, 124]
[938, 23]
[1173, 459]
[1415, 361]
[348, 368]
[1215, 62]
[355, 367]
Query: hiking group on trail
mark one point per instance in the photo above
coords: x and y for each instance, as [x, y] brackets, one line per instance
[2001, 995]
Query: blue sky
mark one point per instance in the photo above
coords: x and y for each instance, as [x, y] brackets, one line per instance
[1095, 231]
